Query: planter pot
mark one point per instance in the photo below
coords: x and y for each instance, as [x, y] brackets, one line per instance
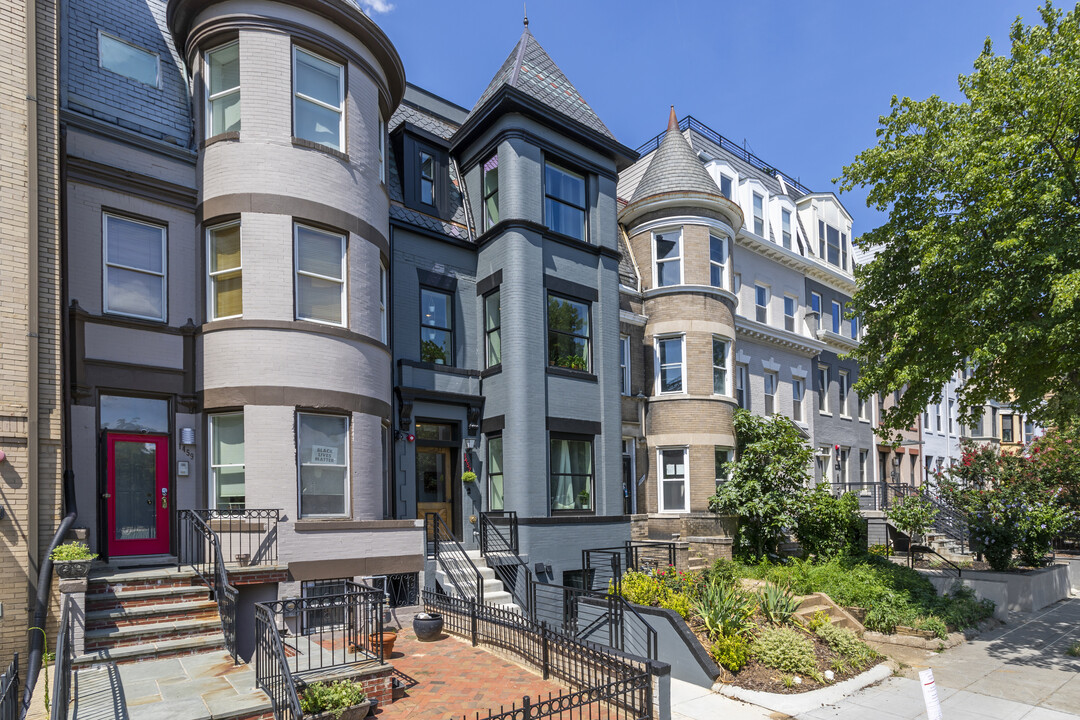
[354, 712]
[243, 560]
[373, 707]
[72, 569]
[428, 629]
[389, 638]
[397, 689]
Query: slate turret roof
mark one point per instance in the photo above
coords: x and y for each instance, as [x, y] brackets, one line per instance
[531, 70]
[675, 167]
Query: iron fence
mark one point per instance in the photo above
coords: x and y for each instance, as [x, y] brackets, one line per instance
[248, 536]
[451, 558]
[199, 546]
[272, 673]
[501, 552]
[9, 691]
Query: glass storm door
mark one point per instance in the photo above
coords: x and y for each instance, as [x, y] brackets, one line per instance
[137, 494]
[434, 484]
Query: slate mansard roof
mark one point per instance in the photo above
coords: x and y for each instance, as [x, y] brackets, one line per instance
[531, 70]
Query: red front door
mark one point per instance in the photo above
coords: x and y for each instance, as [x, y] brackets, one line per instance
[137, 494]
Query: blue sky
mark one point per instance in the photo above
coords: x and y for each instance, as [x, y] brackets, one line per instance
[803, 83]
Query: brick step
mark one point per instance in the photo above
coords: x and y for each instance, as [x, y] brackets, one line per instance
[193, 645]
[141, 598]
[141, 580]
[150, 632]
[121, 617]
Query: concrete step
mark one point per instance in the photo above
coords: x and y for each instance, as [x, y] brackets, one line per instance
[154, 650]
[102, 638]
[124, 598]
[121, 617]
[490, 584]
[112, 576]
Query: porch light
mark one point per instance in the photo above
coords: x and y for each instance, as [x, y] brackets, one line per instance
[470, 443]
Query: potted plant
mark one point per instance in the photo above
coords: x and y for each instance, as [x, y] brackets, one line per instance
[427, 626]
[72, 559]
[341, 700]
[468, 476]
[583, 498]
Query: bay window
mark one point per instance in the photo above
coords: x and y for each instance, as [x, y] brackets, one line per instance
[564, 201]
[227, 461]
[717, 260]
[318, 99]
[722, 462]
[669, 353]
[323, 454]
[320, 275]
[225, 271]
[568, 333]
[668, 253]
[491, 191]
[719, 360]
[223, 89]
[673, 480]
[571, 480]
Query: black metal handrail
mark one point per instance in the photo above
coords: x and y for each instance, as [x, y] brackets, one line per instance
[199, 547]
[455, 562]
[917, 549]
[65, 656]
[248, 536]
[502, 556]
[9, 691]
[272, 673]
[690, 122]
[496, 519]
[948, 521]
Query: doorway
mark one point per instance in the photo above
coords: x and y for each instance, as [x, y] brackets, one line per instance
[137, 503]
[436, 473]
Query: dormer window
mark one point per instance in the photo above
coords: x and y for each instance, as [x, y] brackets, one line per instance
[725, 186]
[759, 215]
[427, 178]
[785, 228]
[832, 245]
[564, 201]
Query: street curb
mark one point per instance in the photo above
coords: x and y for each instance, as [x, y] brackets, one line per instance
[805, 702]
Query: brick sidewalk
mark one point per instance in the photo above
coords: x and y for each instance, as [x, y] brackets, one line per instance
[449, 678]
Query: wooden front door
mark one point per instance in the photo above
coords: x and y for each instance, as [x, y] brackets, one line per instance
[435, 484]
[137, 502]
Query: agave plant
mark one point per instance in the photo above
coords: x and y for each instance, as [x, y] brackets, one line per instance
[777, 603]
[725, 609]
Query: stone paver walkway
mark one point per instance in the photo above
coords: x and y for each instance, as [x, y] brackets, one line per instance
[1017, 672]
[449, 678]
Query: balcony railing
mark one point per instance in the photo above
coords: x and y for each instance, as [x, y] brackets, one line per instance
[248, 536]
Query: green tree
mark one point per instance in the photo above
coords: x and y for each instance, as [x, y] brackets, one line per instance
[768, 482]
[979, 262]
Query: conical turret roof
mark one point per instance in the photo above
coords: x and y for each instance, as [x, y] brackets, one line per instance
[531, 70]
[674, 168]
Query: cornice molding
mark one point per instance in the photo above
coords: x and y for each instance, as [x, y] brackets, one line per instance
[775, 336]
[789, 258]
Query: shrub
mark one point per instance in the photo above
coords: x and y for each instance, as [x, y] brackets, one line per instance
[932, 624]
[913, 515]
[819, 619]
[730, 653]
[72, 551]
[1074, 649]
[723, 570]
[827, 525]
[725, 609]
[882, 551]
[644, 589]
[785, 650]
[333, 697]
[777, 604]
[846, 643]
[681, 581]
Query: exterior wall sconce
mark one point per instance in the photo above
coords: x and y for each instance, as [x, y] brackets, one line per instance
[470, 443]
[187, 436]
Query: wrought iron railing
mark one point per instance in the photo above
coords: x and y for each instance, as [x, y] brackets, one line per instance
[690, 122]
[465, 579]
[334, 626]
[499, 541]
[602, 617]
[604, 567]
[199, 547]
[604, 683]
[948, 521]
[501, 552]
[9, 691]
[65, 656]
[272, 673]
[248, 536]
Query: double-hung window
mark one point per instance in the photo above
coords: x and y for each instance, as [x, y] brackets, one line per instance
[771, 381]
[798, 392]
[843, 251]
[436, 327]
[128, 60]
[320, 275]
[720, 348]
[864, 409]
[495, 472]
[564, 201]
[790, 304]
[571, 479]
[227, 460]
[668, 246]
[624, 364]
[854, 327]
[384, 330]
[863, 455]
[323, 453]
[427, 178]
[722, 463]
[937, 416]
[493, 328]
[949, 416]
[742, 394]
[673, 480]
[669, 364]
[725, 186]
[759, 215]
[815, 307]
[134, 273]
[761, 303]
[225, 271]
[837, 316]
[491, 191]
[382, 149]
[845, 453]
[843, 381]
[318, 99]
[785, 227]
[568, 333]
[717, 260]
[223, 89]
[829, 243]
[823, 389]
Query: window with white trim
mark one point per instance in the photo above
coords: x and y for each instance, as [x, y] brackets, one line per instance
[318, 99]
[718, 253]
[845, 453]
[720, 347]
[667, 249]
[134, 272]
[815, 307]
[798, 393]
[937, 416]
[128, 59]
[624, 363]
[949, 416]
[223, 89]
[854, 327]
[320, 275]
[225, 270]
[785, 227]
[670, 364]
[322, 445]
[844, 386]
[761, 303]
[864, 408]
[863, 455]
[823, 389]
[829, 244]
[759, 215]
[722, 462]
[771, 381]
[725, 186]
[790, 305]
[674, 495]
[742, 396]
[384, 274]
[227, 461]
[837, 316]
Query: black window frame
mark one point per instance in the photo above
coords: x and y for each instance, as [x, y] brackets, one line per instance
[450, 320]
[591, 439]
[487, 467]
[421, 178]
[488, 332]
[485, 194]
[569, 169]
[588, 337]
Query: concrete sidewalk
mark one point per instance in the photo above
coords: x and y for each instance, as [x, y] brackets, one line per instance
[1017, 672]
